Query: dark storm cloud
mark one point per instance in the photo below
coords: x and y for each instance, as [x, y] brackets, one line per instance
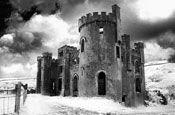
[27, 8]
[146, 30]
[73, 9]
[5, 12]
[131, 23]
[24, 10]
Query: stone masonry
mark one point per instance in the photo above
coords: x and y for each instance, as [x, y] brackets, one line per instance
[105, 65]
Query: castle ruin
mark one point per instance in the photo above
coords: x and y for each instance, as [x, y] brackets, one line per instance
[105, 65]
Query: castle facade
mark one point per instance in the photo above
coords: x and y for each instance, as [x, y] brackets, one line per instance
[105, 65]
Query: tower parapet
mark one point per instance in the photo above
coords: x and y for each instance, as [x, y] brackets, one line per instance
[47, 54]
[39, 58]
[95, 17]
[111, 17]
[139, 49]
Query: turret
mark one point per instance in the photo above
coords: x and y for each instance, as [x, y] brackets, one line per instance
[46, 73]
[126, 51]
[38, 81]
[138, 61]
[100, 66]
[139, 48]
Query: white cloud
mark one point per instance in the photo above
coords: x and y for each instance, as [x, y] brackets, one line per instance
[154, 52]
[153, 10]
[7, 38]
[54, 32]
[53, 28]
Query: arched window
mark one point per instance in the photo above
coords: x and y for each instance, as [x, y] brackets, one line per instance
[101, 83]
[82, 45]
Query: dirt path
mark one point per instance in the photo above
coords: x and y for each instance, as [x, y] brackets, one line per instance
[44, 105]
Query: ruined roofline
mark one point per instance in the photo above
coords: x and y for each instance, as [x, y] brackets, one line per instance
[95, 16]
[67, 46]
[125, 37]
[47, 54]
[54, 60]
[39, 58]
[139, 44]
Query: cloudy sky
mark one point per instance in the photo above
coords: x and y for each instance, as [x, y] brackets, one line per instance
[30, 27]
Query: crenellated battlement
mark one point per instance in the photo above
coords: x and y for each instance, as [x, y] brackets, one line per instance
[111, 17]
[92, 18]
[47, 54]
[54, 60]
[125, 38]
[139, 45]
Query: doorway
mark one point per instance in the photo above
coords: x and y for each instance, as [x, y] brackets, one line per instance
[101, 83]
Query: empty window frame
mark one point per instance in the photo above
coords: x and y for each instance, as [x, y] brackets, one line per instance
[101, 30]
[61, 69]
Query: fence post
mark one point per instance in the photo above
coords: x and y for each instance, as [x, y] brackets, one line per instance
[17, 98]
[25, 92]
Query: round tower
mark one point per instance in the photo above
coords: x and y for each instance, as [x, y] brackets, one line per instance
[100, 66]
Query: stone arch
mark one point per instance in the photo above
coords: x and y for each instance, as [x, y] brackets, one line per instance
[101, 82]
[75, 85]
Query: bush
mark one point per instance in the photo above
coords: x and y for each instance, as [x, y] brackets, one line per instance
[156, 97]
[171, 59]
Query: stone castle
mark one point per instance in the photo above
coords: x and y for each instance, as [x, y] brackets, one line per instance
[105, 65]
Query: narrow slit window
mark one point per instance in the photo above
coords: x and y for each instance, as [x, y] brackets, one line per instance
[122, 58]
[101, 30]
[82, 45]
[82, 71]
[61, 69]
[118, 51]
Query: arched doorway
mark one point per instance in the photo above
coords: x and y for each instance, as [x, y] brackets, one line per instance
[75, 85]
[101, 83]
